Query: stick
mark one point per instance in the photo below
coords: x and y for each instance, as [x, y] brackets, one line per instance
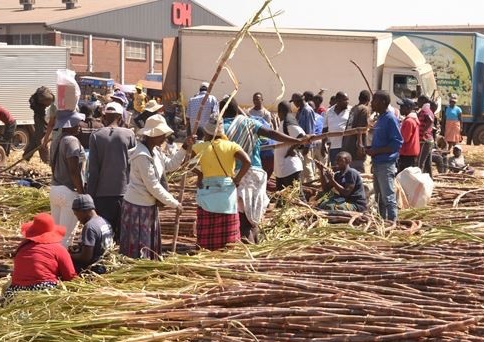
[363, 75]
[227, 55]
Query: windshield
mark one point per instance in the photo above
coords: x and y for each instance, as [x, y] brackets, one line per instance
[428, 84]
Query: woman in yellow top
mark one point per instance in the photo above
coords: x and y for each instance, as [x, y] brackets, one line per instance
[217, 216]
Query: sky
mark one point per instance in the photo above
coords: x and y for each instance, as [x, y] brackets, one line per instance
[354, 14]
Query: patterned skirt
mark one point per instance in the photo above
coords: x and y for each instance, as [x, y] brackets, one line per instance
[215, 231]
[452, 131]
[12, 289]
[140, 235]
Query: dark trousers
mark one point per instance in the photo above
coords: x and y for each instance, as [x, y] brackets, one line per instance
[440, 161]
[406, 161]
[36, 139]
[8, 133]
[248, 232]
[425, 157]
[109, 208]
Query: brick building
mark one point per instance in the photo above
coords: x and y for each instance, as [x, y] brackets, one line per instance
[117, 39]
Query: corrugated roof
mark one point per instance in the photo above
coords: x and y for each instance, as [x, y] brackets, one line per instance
[439, 28]
[52, 11]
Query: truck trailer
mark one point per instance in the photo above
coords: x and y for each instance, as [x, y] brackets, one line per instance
[310, 60]
[458, 63]
[24, 68]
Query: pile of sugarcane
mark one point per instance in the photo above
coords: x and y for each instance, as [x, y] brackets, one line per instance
[286, 291]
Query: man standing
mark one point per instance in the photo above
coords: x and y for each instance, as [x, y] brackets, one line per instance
[306, 119]
[336, 121]
[387, 141]
[426, 119]
[411, 142]
[259, 111]
[210, 107]
[358, 118]
[139, 99]
[9, 129]
[318, 103]
[108, 165]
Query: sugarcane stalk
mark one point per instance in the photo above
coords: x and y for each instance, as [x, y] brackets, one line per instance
[226, 56]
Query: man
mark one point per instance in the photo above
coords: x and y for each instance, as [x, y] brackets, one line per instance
[358, 117]
[96, 236]
[335, 121]
[306, 119]
[318, 103]
[9, 129]
[210, 107]
[346, 182]
[108, 165]
[426, 119]
[251, 191]
[387, 141]
[39, 101]
[259, 111]
[120, 97]
[139, 100]
[410, 133]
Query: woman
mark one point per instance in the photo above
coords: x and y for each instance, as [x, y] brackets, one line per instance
[140, 226]
[287, 161]
[66, 161]
[453, 122]
[217, 217]
[40, 260]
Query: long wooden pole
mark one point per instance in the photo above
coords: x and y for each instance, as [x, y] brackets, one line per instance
[228, 54]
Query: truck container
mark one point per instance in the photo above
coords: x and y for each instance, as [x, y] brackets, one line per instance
[23, 69]
[310, 60]
[458, 63]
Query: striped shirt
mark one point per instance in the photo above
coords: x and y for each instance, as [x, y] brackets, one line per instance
[211, 106]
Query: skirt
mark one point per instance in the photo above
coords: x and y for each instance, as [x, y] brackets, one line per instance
[215, 231]
[452, 132]
[140, 235]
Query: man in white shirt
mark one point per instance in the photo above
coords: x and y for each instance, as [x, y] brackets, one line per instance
[335, 121]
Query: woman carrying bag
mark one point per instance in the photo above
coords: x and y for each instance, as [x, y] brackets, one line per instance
[217, 216]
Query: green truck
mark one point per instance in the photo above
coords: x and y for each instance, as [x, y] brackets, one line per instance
[458, 63]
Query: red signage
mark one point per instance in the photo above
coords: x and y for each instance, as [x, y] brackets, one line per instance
[181, 14]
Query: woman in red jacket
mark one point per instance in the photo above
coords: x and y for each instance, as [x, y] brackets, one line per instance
[410, 132]
[40, 260]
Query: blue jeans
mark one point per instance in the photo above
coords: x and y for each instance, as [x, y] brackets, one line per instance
[384, 186]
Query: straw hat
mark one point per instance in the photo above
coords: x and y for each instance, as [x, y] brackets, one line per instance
[211, 127]
[43, 229]
[155, 126]
[152, 106]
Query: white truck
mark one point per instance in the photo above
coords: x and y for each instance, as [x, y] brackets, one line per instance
[310, 60]
[24, 68]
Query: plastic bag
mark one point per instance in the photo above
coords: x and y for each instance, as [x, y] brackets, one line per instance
[417, 186]
[68, 91]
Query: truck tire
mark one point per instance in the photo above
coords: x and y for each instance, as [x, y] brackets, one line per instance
[478, 135]
[20, 139]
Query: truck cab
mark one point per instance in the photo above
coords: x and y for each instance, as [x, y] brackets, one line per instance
[406, 69]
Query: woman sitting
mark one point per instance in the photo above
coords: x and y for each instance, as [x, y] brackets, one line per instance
[140, 226]
[40, 260]
[217, 216]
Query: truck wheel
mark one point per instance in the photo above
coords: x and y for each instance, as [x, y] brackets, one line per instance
[478, 135]
[20, 139]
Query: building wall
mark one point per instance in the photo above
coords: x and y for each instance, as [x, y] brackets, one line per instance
[106, 56]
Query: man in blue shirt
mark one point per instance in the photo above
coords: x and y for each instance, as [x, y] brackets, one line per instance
[387, 141]
[306, 119]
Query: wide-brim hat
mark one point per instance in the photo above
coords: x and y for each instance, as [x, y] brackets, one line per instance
[68, 119]
[121, 96]
[152, 106]
[155, 126]
[43, 229]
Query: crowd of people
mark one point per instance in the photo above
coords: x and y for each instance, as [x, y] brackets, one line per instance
[114, 181]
